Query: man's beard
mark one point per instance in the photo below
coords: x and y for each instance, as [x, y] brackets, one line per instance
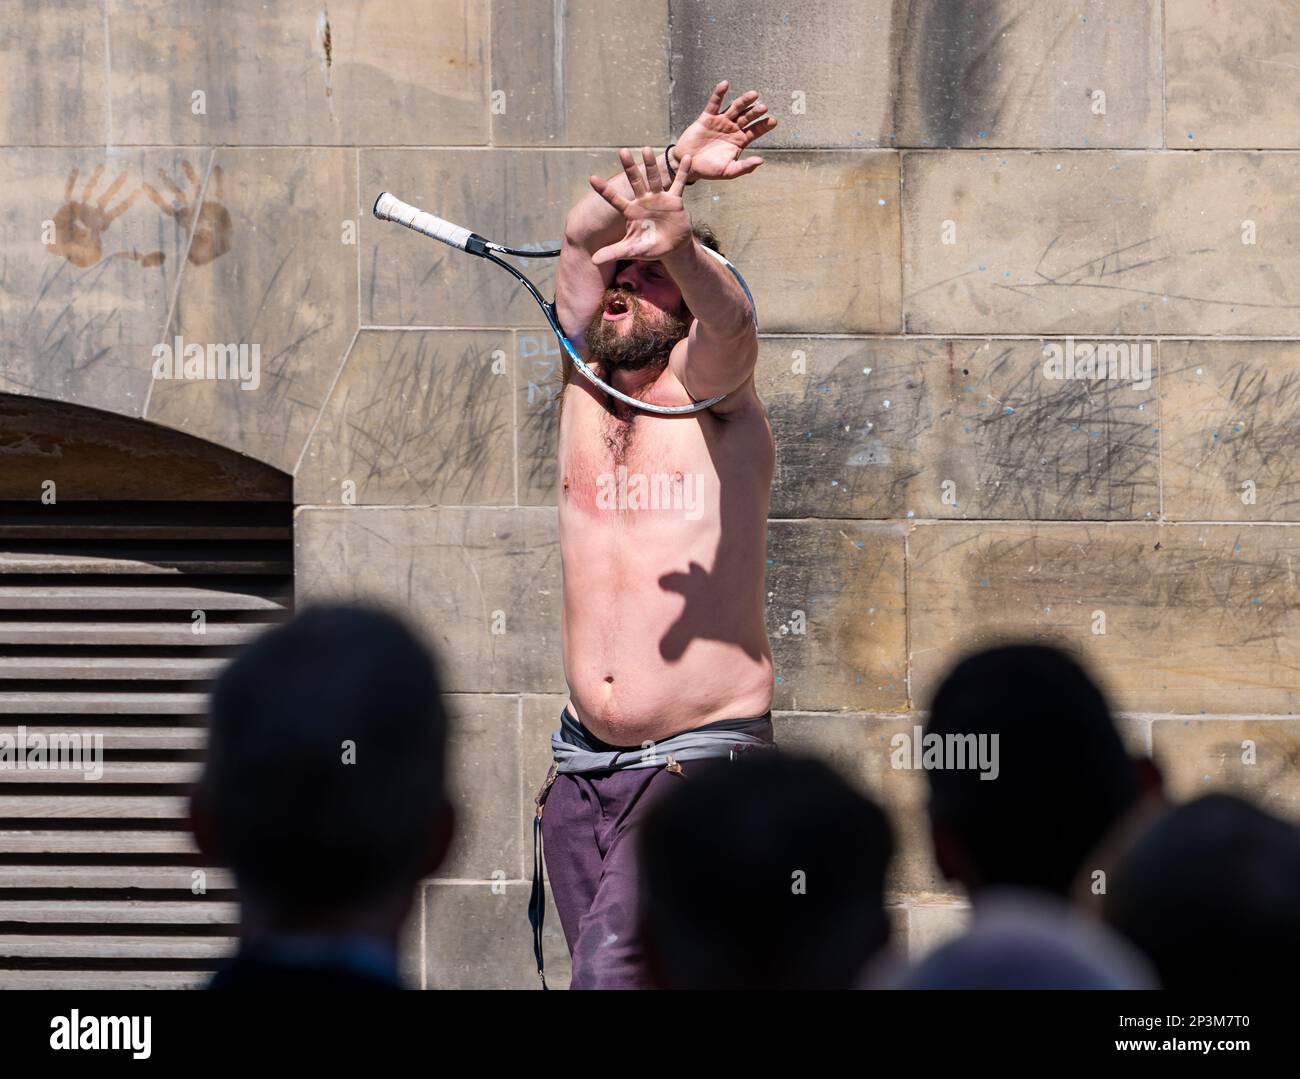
[646, 343]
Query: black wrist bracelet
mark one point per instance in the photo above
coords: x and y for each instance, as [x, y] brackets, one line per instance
[672, 172]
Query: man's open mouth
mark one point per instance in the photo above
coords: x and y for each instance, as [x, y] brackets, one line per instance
[616, 308]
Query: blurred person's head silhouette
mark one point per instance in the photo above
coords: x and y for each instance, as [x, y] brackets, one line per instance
[1062, 782]
[1031, 940]
[324, 792]
[767, 872]
[1211, 894]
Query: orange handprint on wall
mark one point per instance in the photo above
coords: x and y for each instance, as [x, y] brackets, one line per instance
[211, 219]
[79, 225]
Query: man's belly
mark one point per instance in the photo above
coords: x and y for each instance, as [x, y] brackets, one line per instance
[662, 632]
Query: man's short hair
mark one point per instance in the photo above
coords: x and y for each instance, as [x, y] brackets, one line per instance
[326, 757]
[766, 872]
[707, 237]
[1064, 776]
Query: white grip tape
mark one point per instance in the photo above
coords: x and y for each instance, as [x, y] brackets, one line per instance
[390, 208]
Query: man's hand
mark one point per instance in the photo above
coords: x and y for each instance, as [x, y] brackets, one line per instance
[657, 221]
[715, 140]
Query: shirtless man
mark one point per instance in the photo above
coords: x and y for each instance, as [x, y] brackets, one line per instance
[663, 527]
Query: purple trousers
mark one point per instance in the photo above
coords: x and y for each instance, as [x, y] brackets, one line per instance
[589, 823]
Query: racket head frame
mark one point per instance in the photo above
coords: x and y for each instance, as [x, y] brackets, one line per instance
[470, 242]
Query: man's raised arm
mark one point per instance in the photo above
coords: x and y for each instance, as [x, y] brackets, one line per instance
[580, 284]
[713, 143]
[722, 348]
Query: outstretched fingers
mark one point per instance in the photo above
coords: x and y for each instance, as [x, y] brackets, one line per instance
[608, 193]
[652, 169]
[172, 186]
[612, 253]
[110, 191]
[715, 99]
[743, 102]
[762, 127]
[90, 184]
[162, 204]
[632, 173]
[122, 207]
[742, 168]
[679, 181]
[751, 114]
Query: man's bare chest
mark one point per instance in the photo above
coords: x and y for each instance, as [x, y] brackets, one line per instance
[611, 460]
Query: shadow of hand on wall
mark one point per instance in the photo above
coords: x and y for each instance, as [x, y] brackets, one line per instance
[698, 619]
[707, 590]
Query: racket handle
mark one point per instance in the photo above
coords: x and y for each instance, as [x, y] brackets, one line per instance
[390, 208]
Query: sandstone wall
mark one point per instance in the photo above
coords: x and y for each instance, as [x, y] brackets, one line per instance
[951, 186]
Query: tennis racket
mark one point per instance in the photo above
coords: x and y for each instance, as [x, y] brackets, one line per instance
[390, 208]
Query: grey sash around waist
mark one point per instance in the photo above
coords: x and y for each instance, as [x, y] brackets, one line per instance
[576, 749]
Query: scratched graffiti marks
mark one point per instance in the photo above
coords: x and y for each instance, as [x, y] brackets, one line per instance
[1029, 266]
[846, 416]
[452, 569]
[1230, 587]
[1102, 243]
[416, 419]
[895, 429]
[289, 286]
[1044, 449]
[516, 198]
[847, 579]
[1197, 617]
[1232, 418]
[539, 382]
[87, 269]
